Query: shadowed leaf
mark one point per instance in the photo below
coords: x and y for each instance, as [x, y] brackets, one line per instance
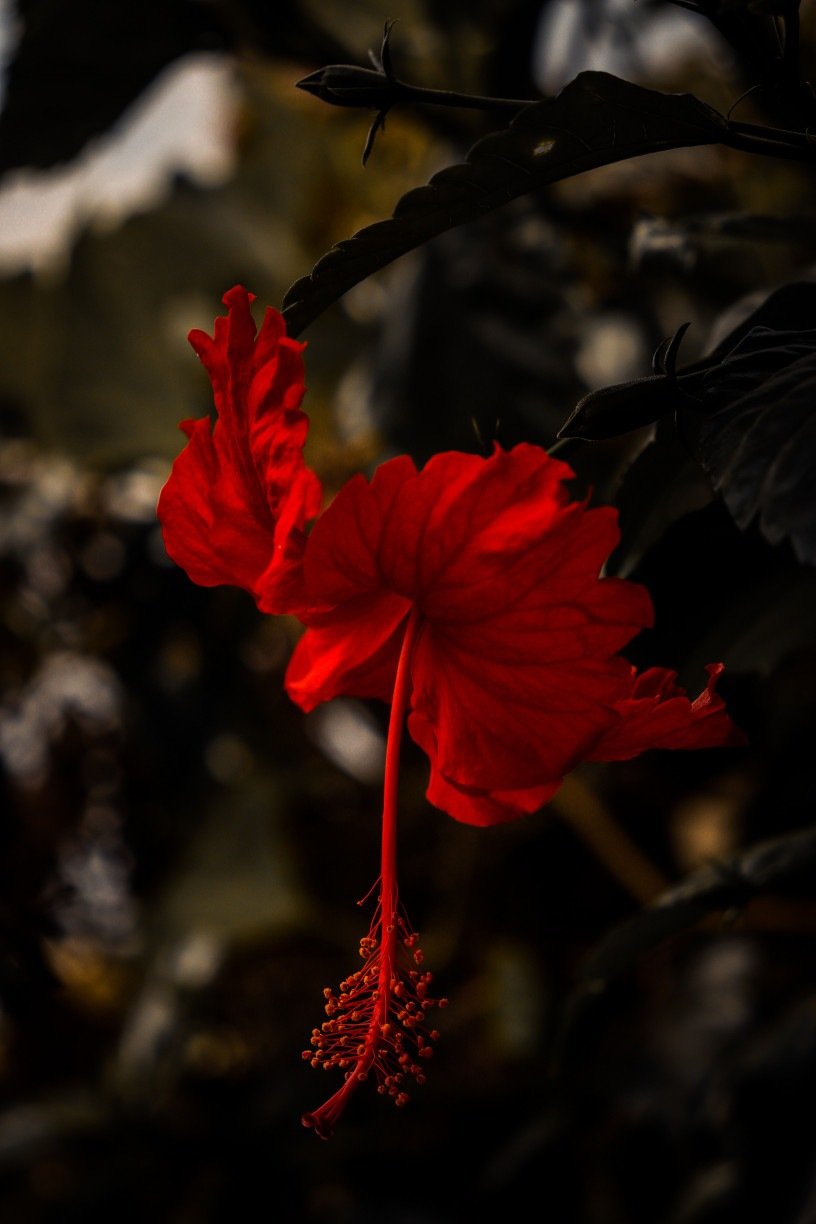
[662, 485]
[745, 412]
[785, 864]
[760, 449]
[617, 409]
[597, 119]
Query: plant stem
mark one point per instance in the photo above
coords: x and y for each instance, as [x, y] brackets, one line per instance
[448, 97]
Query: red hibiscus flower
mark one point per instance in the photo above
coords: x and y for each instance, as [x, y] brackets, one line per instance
[515, 675]
[468, 594]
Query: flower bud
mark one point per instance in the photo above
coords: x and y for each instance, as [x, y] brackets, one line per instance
[347, 85]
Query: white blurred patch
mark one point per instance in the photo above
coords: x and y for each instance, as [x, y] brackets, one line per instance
[132, 496]
[612, 350]
[50, 485]
[95, 868]
[349, 736]
[66, 685]
[194, 961]
[353, 404]
[183, 124]
[616, 36]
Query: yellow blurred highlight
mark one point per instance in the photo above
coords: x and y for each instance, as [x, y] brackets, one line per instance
[93, 981]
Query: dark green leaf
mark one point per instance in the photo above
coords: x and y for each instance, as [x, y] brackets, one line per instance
[786, 864]
[619, 409]
[597, 119]
[662, 485]
[760, 449]
[745, 412]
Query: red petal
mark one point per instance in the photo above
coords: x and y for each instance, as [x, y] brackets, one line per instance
[658, 714]
[353, 650]
[517, 669]
[343, 557]
[470, 804]
[239, 494]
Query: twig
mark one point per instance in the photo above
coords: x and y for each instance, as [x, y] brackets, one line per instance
[583, 811]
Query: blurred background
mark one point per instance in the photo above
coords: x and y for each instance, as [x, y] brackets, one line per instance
[182, 849]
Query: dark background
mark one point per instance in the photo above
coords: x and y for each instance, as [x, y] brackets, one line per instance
[181, 849]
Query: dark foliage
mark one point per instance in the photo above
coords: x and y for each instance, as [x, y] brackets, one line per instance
[596, 120]
[745, 412]
[786, 865]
